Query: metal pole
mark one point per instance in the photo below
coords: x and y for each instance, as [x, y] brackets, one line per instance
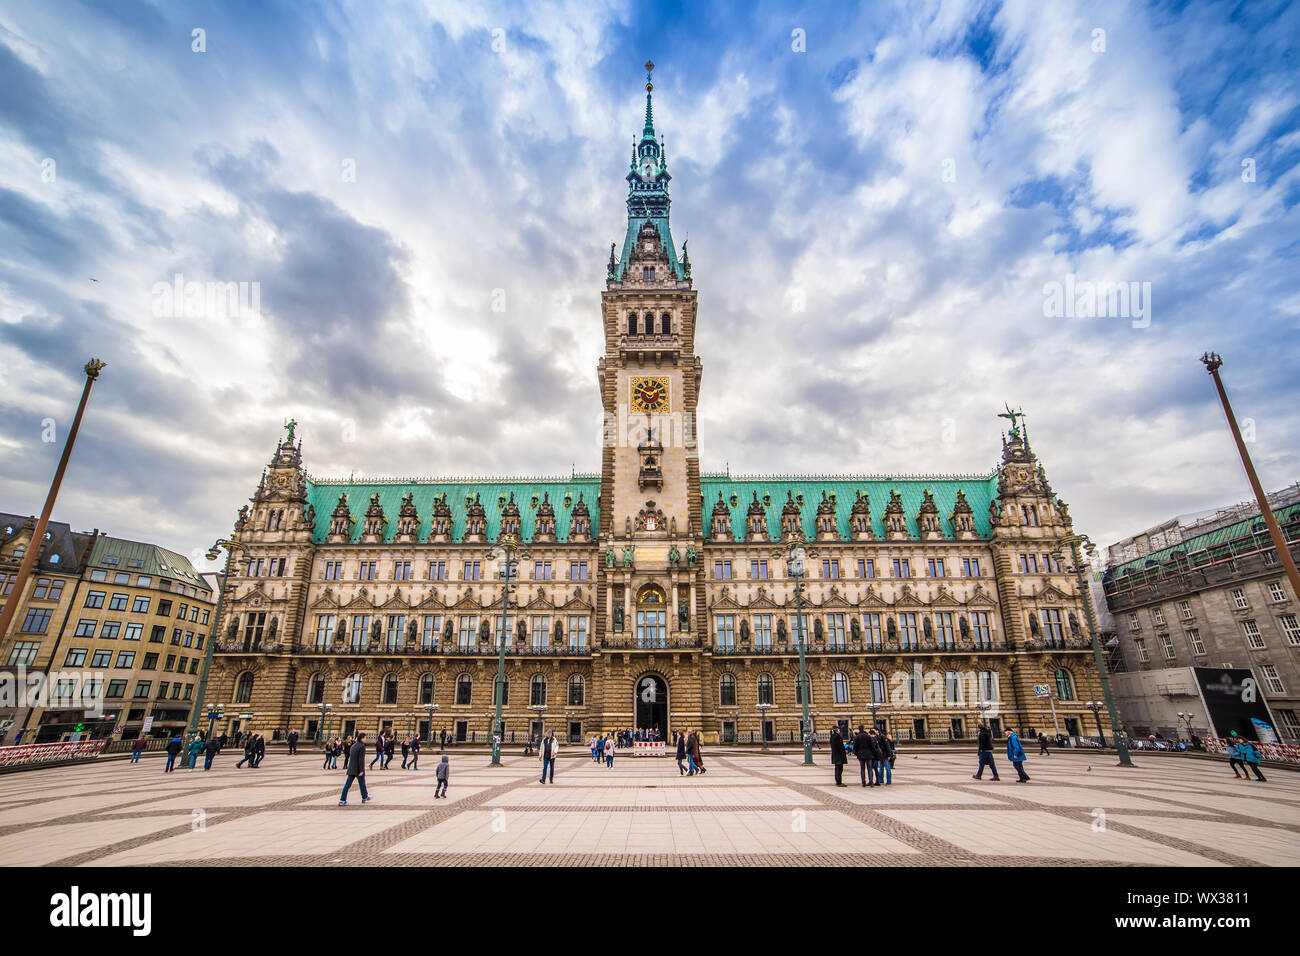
[1121, 743]
[501, 665]
[212, 635]
[1212, 362]
[1051, 700]
[10, 608]
[803, 668]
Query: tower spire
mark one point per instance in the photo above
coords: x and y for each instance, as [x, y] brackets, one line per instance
[649, 132]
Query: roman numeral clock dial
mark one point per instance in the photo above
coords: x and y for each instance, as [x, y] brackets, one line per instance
[649, 394]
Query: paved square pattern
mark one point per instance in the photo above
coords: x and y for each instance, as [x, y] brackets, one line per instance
[750, 809]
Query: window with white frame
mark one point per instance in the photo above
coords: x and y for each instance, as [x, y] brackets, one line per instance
[1167, 647]
[1158, 616]
[840, 688]
[1239, 599]
[1194, 639]
[1185, 610]
[981, 628]
[1133, 623]
[1275, 591]
[324, 629]
[1254, 640]
[1291, 628]
[1143, 654]
[907, 630]
[541, 630]
[1271, 679]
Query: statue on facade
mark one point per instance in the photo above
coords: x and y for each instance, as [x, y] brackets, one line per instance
[674, 556]
[610, 559]
[691, 556]
[683, 616]
[618, 615]
[629, 556]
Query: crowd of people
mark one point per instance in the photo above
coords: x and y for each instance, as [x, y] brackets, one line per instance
[875, 752]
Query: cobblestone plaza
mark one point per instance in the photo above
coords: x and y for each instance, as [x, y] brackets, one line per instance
[750, 809]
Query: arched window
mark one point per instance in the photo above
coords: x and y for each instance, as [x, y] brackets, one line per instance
[316, 689]
[651, 617]
[244, 689]
[877, 687]
[352, 689]
[766, 693]
[727, 691]
[464, 689]
[390, 689]
[666, 324]
[1064, 684]
[537, 690]
[426, 689]
[631, 323]
[840, 686]
[577, 691]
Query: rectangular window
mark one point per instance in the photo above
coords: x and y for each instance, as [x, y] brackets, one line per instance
[835, 630]
[866, 567]
[140, 605]
[902, 568]
[125, 660]
[578, 632]
[47, 590]
[988, 681]
[830, 568]
[1052, 627]
[95, 599]
[758, 569]
[324, 629]
[907, 630]
[1158, 615]
[577, 570]
[1051, 563]
[1194, 639]
[1290, 628]
[762, 631]
[76, 657]
[24, 652]
[943, 624]
[1239, 599]
[981, 629]
[724, 626]
[1143, 654]
[151, 661]
[871, 632]
[133, 631]
[333, 570]
[937, 569]
[1167, 647]
[401, 570]
[1275, 592]
[541, 570]
[116, 689]
[799, 629]
[430, 630]
[722, 570]
[85, 628]
[369, 570]
[110, 629]
[360, 629]
[396, 628]
[1029, 564]
[541, 630]
[473, 570]
[165, 606]
[468, 630]
[101, 658]
[182, 610]
[437, 570]
[142, 688]
[1254, 639]
[1133, 623]
[97, 575]
[970, 567]
[37, 620]
[1185, 610]
[1272, 681]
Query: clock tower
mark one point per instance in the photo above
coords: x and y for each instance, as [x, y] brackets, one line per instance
[650, 510]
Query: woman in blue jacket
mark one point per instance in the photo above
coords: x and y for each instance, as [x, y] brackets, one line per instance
[1016, 754]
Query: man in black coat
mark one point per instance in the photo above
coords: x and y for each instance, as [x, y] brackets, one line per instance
[356, 770]
[985, 744]
[838, 757]
[259, 750]
[866, 750]
[293, 741]
[681, 754]
[210, 750]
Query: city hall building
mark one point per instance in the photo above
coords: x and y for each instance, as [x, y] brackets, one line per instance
[650, 594]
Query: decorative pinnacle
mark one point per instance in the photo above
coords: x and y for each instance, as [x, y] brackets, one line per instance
[92, 368]
[1212, 362]
[649, 68]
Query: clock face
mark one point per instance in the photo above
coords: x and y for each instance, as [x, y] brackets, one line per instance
[649, 394]
[282, 480]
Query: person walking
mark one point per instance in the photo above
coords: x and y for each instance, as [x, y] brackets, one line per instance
[137, 748]
[681, 755]
[293, 741]
[547, 751]
[1234, 756]
[1016, 754]
[415, 753]
[442, 740]
[887, 751]
[390, 749]
[884, 771]
[210, 750]
[442, 772]
[173, 748]
[248, 751]
[1250, 754]
[379, 752]
[1042, 745]
[329, 754]
[984, 741]
[259, 750]
[406, 751]
[609, 751]
[195, 748]
[356, 770]
[838, 757]
[693, 748]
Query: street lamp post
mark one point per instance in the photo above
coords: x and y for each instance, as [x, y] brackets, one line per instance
[214, 714]
[1212, 365]
[230, 546]
[509, 544]
[1095, 706]
[1187, 719]
[1073, 541]
[796, 553]
[541, 721]
[431, 709]
[324, 717]
[762, 722]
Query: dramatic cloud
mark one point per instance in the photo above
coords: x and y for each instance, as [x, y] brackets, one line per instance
[878, 199]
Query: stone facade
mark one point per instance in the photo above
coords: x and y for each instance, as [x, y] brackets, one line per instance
[1218, 598]
[651, 593]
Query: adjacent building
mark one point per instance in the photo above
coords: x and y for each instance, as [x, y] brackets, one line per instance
[1197, 602]
[115, 629]
[650, 593]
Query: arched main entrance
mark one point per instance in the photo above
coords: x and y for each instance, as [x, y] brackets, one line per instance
[650, 704]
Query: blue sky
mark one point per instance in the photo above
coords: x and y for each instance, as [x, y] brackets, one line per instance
[876, 197]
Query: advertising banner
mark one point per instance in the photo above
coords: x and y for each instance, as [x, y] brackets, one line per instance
[1234, 701]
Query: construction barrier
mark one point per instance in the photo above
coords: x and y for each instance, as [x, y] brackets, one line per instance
[42, 753]
[648, 748]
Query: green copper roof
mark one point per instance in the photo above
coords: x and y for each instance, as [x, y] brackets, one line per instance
[738, 493]
[137, 557]
[1247, 527]
[563, 493]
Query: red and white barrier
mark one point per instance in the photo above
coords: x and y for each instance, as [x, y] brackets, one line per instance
[648, 748]
[42, 753]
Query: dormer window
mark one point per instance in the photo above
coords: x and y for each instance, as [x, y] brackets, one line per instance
[648, 274]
